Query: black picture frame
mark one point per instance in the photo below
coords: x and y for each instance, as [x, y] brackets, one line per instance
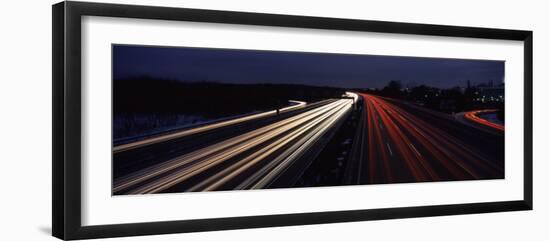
[66, 198]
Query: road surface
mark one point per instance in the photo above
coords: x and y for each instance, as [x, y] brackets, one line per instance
[399, 142]
[204, 128]
[250, 160]
[383, 141]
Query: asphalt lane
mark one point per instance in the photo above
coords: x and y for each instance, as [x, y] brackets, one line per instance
[409, 144]
[394, 142]
[250, 160]
[129, 160]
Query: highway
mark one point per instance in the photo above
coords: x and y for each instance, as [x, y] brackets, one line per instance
[383, 141]
[204, 128]
[400, 142]
[252, 159]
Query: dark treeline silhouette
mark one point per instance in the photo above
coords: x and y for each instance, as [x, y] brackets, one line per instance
[144, 106]
[209, 99]
[450, 100]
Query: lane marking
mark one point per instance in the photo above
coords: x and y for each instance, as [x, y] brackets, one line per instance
[415, 150]
[389, 148]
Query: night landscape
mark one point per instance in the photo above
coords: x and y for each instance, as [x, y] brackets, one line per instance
[205, 119]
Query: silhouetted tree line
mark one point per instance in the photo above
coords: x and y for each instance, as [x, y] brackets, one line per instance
[450, 100]
[209, 99]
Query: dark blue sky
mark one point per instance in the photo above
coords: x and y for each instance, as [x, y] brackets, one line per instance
[321, 69]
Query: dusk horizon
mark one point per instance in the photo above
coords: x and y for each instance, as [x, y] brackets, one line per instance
[237, 66]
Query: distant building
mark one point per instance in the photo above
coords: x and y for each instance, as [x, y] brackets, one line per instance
[490, 92]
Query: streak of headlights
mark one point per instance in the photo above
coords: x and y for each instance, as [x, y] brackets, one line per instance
[179, 134]
[188, 165]
[305, 137]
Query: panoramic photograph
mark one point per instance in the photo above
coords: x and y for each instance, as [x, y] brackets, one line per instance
[187, 119]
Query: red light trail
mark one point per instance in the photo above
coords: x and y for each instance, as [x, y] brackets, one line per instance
[401, 144]
[474, 116]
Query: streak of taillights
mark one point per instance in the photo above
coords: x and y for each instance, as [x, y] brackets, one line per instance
[420, 168]
[474, 116]
[457, 157]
